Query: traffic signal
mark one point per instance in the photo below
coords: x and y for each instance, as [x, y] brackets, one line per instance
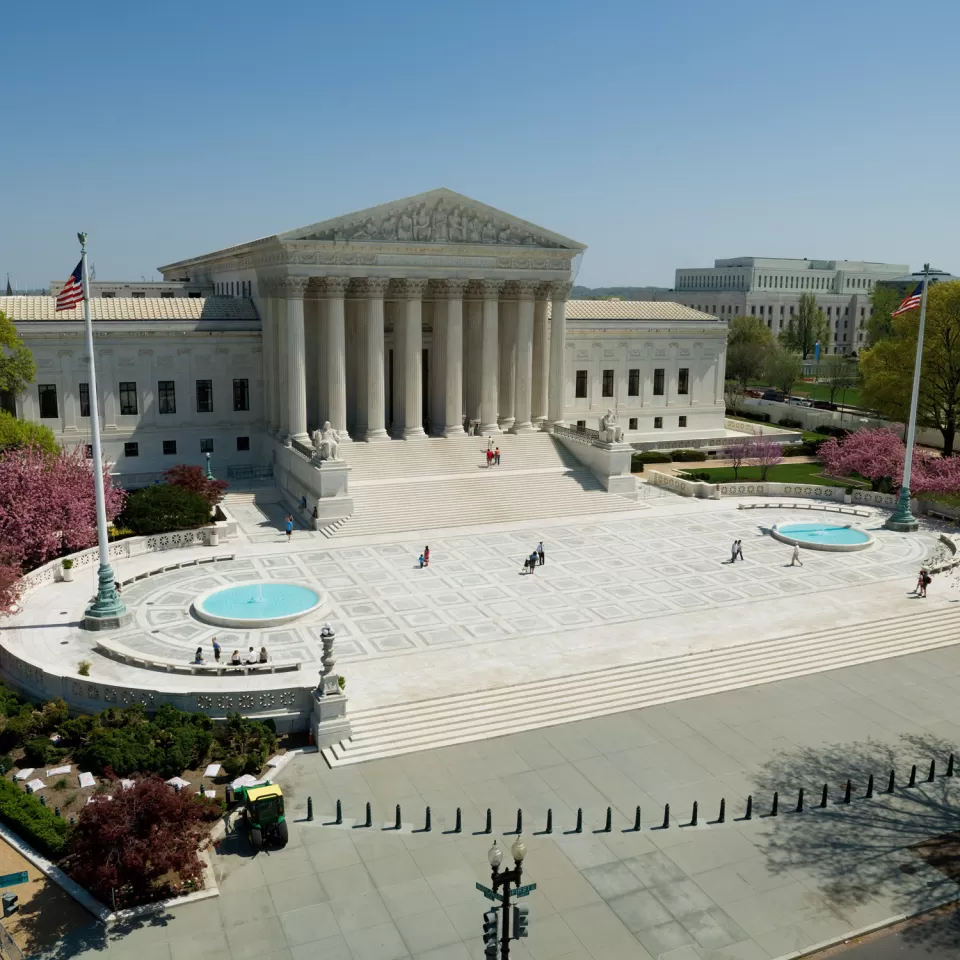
[10, 904]
[520, 921]
[491, 932]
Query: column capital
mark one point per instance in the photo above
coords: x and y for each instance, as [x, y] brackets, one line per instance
[489, 289]
[520, 289]
[410, 288]
[453, 288]
[292, 288]
[334, 286]
[372, 287]
[560, 290]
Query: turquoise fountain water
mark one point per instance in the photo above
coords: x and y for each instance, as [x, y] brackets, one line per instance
[824, 533]
[256, 604]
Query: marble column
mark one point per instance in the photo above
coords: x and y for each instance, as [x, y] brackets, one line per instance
[558, 342]
[335, 355]
[453, 359]
[372, 290]
[410, 332]
[490, 357]
[438, 325]
[278, 322]
[472, 355]
[538, 403]
[269, 339]
[525, 291]
[295, 358]
[508, 357]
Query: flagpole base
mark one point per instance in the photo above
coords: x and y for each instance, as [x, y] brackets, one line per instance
[902, 519]
[108, 611]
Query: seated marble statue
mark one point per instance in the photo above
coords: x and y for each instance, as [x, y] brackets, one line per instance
[326, 443]
[610, 429]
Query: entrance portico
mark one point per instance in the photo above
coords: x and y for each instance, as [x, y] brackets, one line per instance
[406, 319]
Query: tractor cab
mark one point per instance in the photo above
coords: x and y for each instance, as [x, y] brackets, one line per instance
[263, 816]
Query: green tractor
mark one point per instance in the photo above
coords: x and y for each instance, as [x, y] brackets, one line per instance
[263, 817]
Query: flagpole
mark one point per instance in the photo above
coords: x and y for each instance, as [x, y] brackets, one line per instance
[902, 518]
[107, 610]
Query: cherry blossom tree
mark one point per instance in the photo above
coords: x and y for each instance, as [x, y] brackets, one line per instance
[766, 453]
[10, 586]
[738, 451]
[195, 479]
[47, 504]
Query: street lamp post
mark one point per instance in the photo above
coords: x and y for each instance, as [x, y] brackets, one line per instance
[209, 471]
[902, 518]
[503, 878]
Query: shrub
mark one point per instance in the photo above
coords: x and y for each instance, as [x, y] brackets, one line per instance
[244, 744]
[790, 422]
[653, 456]
[796, 450]
[701, 475]
[83, 668]
[31, 821]
[688, 456]
[40, 751]
[164, 507]
[831, 431]
[11, 586]
[196, 479]
[16, 434]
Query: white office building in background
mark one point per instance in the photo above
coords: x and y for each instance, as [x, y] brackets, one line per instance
[771, 288]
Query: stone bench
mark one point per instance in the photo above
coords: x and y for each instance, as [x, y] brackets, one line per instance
[114, 651]
[851, 511]
[176, 566]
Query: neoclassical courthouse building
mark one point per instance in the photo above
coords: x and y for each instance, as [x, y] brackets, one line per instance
[430, 315]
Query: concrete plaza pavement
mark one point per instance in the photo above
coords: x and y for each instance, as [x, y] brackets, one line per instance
[743, 890]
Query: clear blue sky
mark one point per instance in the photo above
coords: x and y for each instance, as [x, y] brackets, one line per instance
[660, 134]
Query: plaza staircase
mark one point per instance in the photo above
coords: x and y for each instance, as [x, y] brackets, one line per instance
[462, 718]
[400, 486]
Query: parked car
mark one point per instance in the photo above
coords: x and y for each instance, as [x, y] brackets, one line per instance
[773, 395]
[824, 405]
[799, 402]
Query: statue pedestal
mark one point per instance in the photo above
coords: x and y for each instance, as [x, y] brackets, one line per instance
[608, 462]
[324, 483]
[329, 721]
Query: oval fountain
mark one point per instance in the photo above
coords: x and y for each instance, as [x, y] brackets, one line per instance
[823, 536]
[257, 604]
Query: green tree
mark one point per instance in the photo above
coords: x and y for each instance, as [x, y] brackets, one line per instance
[749, 340]
[17, 368]
[805, 328]
[838, 374]
[783, 368]
[15, 434]
[887, 368]
[883, 301]
[162, 508]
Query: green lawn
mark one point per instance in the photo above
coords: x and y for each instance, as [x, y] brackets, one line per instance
[783, 473]
[817, 391]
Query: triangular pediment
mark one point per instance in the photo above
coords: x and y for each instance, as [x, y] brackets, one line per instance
[437, 216]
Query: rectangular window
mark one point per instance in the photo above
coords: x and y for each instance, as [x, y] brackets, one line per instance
[131, 449]
[241, 394]
[128, 398]
[167, 396]
[169, 447]
[633, 423]
[47, 393]
[658, 423]
[581, 388]
[243, 443]
[88, 451]
[84, 399]
[194, 295]
[607, 383]
[109, 296]
[166, 294]
[683, 421]
[138, 295]
[204, 396]
[206, 446]
[658, 382]
[581, 424]
[753, 311]
[633, 384]
[683, 380]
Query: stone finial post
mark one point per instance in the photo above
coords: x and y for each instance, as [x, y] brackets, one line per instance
[327, 636]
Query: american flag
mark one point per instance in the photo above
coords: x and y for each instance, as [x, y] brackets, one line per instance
[911, 303]
[72, 293]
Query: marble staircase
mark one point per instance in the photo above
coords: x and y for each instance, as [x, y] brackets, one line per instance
[401, 729]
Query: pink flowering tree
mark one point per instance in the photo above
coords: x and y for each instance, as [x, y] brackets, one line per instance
[47, 505]
[766, 453]
[738, 451]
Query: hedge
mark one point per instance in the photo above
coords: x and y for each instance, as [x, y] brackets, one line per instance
[31, 820]
[162, 508]
[693, 456]
[790, 422]
[653, 456]
[745, 415]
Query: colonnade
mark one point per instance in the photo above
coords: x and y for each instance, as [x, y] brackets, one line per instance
[492, 358]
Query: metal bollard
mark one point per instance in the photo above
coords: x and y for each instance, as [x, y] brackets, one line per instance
[723, 810]
[426, 825]
[666, 816]
[579, 827]
[933, 771]
[309, 808]
[56, 811]
[398, 822]
[608, 823]
[848, 792]
[458, 828]
[339, 813]
[749, 814]
[636, 821]
[489, 827]
[800, 801]
[891, 784]
[72, 821]
[519, 829]
[549, 821]
[695, 816]
[369, 821]
[869, 793]
[43, 800]
[775, 809]
[913, 776]
[823, 797]
[950, 766]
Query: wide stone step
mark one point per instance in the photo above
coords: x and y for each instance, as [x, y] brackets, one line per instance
[408, 728]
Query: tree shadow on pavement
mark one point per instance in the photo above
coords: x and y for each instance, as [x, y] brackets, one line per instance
[862, 851]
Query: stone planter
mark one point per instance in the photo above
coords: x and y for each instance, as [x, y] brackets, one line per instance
[213, 538]
[66, 574]
[848, 498]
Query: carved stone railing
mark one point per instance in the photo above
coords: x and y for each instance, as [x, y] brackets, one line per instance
[304, 449]
[580, 434]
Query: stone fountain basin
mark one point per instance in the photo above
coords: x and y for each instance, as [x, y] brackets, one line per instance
[257, 604]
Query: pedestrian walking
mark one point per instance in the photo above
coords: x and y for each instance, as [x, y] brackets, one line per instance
[216, 650]
[489, 458]
[420, 561]
[733, 551]
[795, 560]
[533, 561]
[288, 526]
[540, 556]
[740, 549]
[923, 582]
[426, 556]
[496, 456]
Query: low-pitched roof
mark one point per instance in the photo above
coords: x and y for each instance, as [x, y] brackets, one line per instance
[633, 310]
[32, 309]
